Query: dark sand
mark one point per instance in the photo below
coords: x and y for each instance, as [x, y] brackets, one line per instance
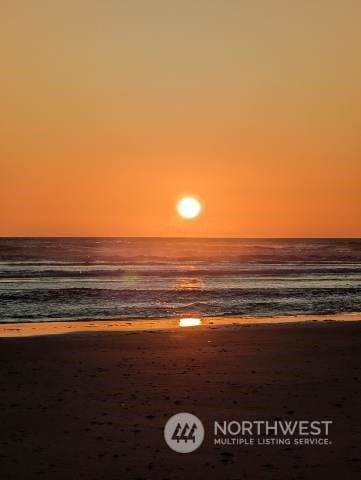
[93, 405]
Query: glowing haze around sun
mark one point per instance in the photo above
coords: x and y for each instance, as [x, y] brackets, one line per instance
[189, 207]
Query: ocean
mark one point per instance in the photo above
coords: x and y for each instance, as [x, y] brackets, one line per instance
[127, 278]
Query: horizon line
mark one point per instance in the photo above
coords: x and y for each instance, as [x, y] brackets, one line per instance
[181, 237]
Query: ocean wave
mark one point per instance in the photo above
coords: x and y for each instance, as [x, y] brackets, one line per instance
[133, 278]
[76, 294]
[189, 271]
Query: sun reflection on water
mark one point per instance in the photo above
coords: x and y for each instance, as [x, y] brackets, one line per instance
[186, 283]
[190, 322]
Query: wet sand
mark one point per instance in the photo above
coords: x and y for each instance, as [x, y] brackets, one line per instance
[30, 328]
[93, 405]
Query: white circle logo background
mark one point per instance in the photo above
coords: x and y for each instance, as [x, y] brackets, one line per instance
[184, 433]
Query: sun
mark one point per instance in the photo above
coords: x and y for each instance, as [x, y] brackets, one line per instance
[189, 207]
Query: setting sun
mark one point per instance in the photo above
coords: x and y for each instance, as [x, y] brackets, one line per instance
[189, 207]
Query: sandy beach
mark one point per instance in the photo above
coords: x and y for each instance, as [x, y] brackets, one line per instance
[93, 404]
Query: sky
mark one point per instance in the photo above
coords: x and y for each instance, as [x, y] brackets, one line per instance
[113, 110]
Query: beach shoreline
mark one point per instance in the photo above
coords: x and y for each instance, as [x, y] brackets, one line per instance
[29, 328]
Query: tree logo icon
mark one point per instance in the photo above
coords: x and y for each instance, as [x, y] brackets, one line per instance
[184, 432]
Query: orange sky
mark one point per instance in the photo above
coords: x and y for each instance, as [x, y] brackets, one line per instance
[110, 111]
